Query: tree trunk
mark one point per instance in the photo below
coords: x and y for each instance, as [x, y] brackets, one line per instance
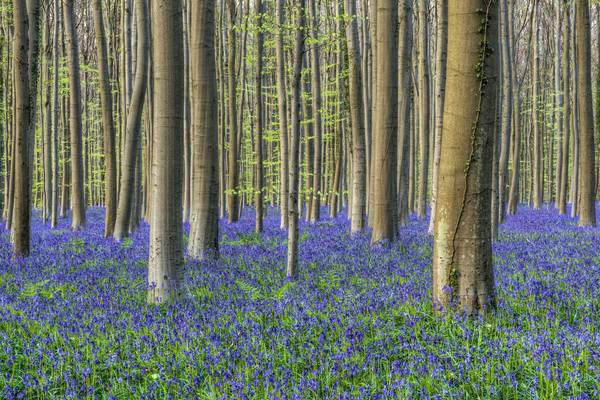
[232, 160]
[134, 121]
[424, 116]
[359, 189]
[282, 108]
[165, 264]
[110, 166]
[506, 111]
[292, 250]
[566, 131]
[440, 87]
[404, 107]
[386, 124]
[204, 224]
[462, 261]
[315, 204]
[587, 158]
[21, 217]
[258, 190]
[75, 127]
[537, 166]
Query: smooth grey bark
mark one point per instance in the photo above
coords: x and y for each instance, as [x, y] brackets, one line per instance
[165, 264]
[204, 221]
[383, 210]
[587, 157]
[21, 217]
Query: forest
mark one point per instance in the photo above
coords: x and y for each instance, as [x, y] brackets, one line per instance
[299, 199]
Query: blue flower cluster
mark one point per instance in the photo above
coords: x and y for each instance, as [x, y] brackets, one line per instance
[358, 323]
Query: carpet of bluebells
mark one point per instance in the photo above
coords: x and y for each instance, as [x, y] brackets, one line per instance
[358, 323]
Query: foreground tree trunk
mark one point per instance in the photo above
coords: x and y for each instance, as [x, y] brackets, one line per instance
[294, 177]
[75, 127]
[462, 261]
[587, 158]
[110, 161]
[22, 188]
[384, 210]
[165, 264]
[204, 223]
[134, 125]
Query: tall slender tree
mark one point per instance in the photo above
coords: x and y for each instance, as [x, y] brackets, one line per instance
[75, 111]
[110, 160]
[134, 124]
[258, 197]
[294, 175]
[282, 109]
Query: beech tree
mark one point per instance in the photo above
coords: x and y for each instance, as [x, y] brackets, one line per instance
[383, 210]
[204, 223]
[165, 263]
[292, 246]
[462, 259]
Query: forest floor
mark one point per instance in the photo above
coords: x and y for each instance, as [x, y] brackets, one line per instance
[358, 323]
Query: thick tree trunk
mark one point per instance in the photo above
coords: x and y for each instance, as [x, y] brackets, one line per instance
[587, 158]
[462, 261]
[292, 250]
[204, 224]
[384, 211]
[165, 264]
[22, 188]
[134, 123]
[75, 126]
